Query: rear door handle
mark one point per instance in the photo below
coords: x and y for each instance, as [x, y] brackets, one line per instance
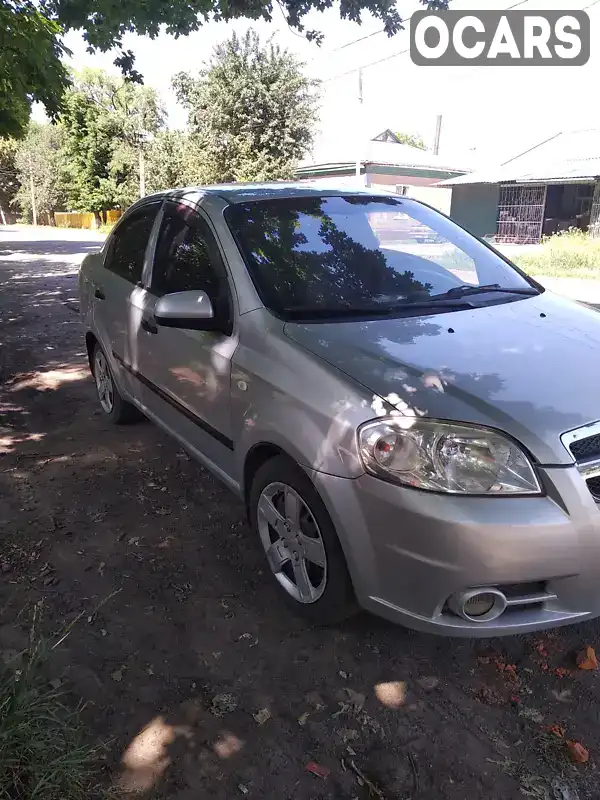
[99, 294]
[148, 326]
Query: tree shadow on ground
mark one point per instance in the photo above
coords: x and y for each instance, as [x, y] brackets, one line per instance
[180, 629]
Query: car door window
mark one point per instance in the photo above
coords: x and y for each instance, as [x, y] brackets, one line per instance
[187, 258]
[128, 244]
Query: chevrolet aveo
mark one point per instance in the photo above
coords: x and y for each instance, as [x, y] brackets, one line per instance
[411, 422]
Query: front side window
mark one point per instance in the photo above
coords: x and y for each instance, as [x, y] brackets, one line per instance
[187, 258]
[127, 248]
[363, 255]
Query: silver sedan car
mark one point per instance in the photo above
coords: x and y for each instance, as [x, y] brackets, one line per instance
[411, 422]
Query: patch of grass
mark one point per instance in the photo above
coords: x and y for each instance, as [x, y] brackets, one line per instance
[106, 228]
[570, 254]
[43, 752]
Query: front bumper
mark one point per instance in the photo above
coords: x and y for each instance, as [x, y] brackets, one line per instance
[409, 551]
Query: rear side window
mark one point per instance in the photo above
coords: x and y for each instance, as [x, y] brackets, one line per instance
[128, 244]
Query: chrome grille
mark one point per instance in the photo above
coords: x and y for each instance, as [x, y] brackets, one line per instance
[593, 485]
[586, 448]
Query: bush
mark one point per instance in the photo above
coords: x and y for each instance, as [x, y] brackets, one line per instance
[570, 254]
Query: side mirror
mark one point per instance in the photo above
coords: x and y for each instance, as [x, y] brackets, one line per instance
[192, 310]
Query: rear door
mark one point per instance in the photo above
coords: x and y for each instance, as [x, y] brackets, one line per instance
[115, 283]
[186, 373]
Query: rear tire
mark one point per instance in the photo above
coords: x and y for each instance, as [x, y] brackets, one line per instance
[118, 411]
[303, 551]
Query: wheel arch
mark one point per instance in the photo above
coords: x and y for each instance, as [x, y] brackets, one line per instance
[258, 455]
[90, 343]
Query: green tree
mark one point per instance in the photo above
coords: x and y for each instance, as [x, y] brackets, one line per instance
[106, 120]
[413, 139]
[30, 64]
[170, 161]
[31, 48]
[251, 110]
[9, 181]
[39, 157]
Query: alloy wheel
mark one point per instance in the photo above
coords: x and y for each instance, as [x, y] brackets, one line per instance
[292, 541]
[104, 382]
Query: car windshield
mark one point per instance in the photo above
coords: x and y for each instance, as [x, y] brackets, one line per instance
[361, 255]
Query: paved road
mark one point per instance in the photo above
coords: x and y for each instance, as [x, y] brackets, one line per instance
[179, 627]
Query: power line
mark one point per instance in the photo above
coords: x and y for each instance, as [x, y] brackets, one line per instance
[406, 49]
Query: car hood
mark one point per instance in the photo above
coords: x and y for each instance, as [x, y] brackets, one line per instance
[529, 367]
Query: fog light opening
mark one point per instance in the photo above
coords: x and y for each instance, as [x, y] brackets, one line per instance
[478, 605]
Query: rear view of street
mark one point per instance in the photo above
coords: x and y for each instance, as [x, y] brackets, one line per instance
[196, 679]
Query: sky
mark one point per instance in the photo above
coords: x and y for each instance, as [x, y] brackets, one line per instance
[489, 114]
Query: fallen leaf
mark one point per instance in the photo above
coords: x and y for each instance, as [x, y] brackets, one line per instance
[318, 770]
[560, 672]
[55, 683]
[556, 730]
[586, 659]
[342, 675]
[577, 752]
[302, 719]
[262, 716]
[117, 675]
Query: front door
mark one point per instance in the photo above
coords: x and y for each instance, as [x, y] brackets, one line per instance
[115, 283]
[186, 373]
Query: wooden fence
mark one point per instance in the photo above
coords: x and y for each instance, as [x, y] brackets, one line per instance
[72, 219]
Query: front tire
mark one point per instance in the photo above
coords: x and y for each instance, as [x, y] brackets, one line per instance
[302, 548]
[118, 411]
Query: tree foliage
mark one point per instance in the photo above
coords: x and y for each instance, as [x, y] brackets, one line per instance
[31, 49]
[413, 139]
[171, 160]
[106, 120]
[9, 181]
[30, 64]
[251, 110]
[39, 158]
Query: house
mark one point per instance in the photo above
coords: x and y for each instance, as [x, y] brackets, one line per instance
[551, 187]
[382, 163]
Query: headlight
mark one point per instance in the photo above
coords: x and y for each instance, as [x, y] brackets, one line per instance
[444, 457]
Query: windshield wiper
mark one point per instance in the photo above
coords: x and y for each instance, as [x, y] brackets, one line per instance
[310, 312]
[464, 291]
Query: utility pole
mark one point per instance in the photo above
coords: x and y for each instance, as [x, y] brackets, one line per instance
[32, 190]
[359, 126]
[142, 171]
[438, 133]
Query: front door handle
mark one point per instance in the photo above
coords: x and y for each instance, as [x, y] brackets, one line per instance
[148, 326]
[99, 293]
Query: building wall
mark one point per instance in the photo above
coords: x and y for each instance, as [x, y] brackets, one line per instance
[475, 207]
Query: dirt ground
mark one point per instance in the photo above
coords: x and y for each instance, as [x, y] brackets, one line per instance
[198, 681]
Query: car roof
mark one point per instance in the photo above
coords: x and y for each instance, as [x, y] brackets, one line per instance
[245, 192]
